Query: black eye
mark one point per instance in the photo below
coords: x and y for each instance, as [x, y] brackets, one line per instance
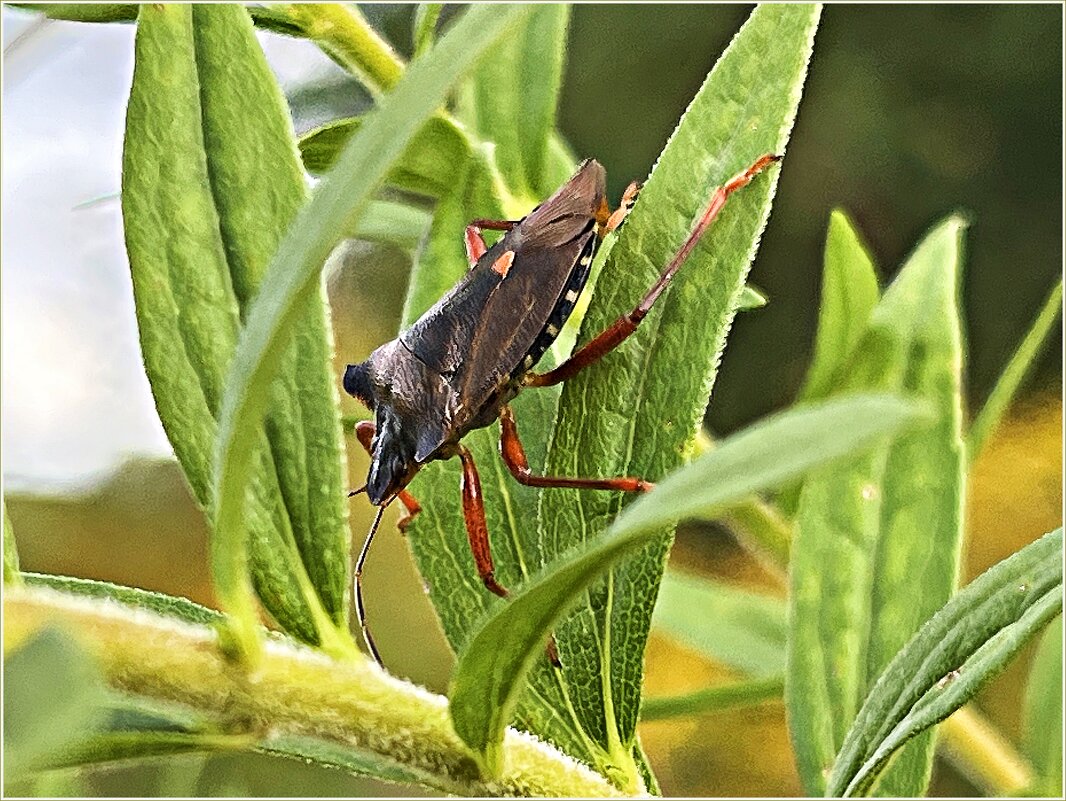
[357, 383]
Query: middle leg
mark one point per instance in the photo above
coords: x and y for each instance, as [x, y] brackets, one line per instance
[514, 456]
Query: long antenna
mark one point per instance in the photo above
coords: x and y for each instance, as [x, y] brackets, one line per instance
[360, 611]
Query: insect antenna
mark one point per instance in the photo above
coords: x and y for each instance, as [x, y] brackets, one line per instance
[355, 492]
[360, 610]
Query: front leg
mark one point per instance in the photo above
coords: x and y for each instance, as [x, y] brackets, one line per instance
[477, 530]
[364, 432]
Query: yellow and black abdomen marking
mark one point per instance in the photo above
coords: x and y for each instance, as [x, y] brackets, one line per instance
[564, 307]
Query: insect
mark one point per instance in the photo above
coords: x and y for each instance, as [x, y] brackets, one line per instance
[458, 367]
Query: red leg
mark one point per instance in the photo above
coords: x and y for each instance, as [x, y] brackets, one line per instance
[364, 432]
[477, 529]
[514, 456]
[475, 242]
[620, 329]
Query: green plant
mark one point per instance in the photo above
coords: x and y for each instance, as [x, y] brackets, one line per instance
[226, 251]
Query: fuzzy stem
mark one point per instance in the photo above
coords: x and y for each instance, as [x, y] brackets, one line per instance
[295, 695]
[344, 34]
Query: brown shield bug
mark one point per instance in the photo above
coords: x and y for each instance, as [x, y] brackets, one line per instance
[459, 366]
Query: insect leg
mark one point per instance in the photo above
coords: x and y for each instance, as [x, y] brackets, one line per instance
[475, 242]
[620, 329]
[514, 456]
[364, 432]
[477, 529]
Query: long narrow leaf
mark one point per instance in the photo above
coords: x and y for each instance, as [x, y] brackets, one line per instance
[877, 538]
[636, 411]
[493, 666]
[849, 295]
[516, 92]
[430, 164]
[198, 240]
[739, 628]
[1014, 374]
[962, 646]
[11, 554]
[293, 274]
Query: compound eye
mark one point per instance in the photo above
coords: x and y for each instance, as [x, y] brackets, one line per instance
[357, 383]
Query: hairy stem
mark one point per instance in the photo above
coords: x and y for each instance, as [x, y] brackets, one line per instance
[295, 696]
[343, 33]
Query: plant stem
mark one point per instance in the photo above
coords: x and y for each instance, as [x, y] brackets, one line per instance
[343, 33]
[296, 695]
[981, 753]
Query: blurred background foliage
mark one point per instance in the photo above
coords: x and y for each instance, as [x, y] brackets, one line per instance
[909, 113]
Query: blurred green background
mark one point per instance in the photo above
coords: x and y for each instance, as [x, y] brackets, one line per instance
[910, 112]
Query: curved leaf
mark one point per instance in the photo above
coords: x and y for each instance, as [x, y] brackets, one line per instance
[293, 275]
[962, 646]
[494, 663]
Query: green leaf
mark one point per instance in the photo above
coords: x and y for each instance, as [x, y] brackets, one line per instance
[1014, 374]
[365, 763]
[199, 238]
[53, 694]
[494, 663]
[293, 275]
[849, 295]
[878, 539]
[964, 644]
[123, 746]
[429, 165]
[636, 412]
[516, 91]
[714, 699]
[160, 603]
[11, 553]
[1042, 715]
[735, 627]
